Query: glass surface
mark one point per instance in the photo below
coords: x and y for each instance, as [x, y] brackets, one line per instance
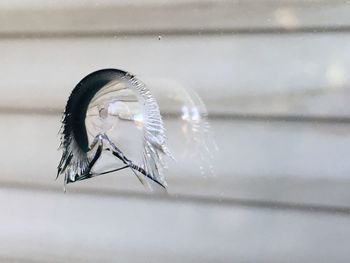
[254, 98]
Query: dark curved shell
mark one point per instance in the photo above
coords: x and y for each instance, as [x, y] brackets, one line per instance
[77, 105]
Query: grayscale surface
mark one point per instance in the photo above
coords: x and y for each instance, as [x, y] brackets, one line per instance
[274, 79]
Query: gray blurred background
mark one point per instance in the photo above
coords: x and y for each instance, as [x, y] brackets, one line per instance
[274, 77]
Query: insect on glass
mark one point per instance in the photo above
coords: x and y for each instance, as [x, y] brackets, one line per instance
[112, 111]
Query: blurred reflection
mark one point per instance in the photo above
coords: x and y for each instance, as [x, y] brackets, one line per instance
[286, 18]
[336, 75]
[187, 116]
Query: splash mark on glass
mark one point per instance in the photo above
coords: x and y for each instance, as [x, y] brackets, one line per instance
[196, 125]
[196, 141]
[112, 111]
